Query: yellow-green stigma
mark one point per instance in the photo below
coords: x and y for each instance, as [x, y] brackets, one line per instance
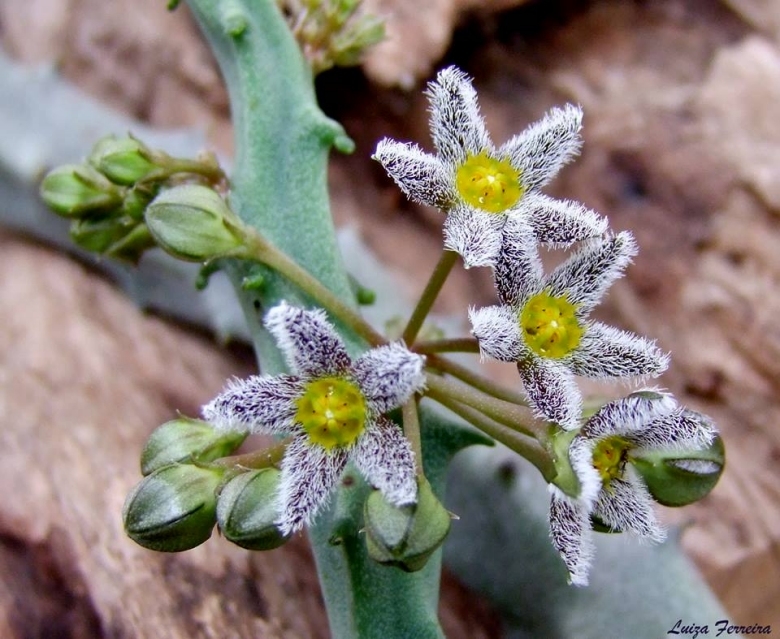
[332, 411]
[549, 325]
[609, 458]
[488, 184]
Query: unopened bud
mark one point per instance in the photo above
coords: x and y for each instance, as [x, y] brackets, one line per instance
[174, 508]
[349, 46]
[185, 439]
[405, 536]
[122, 160]
[98, 235]
[248, 509]
[73, 190]
[679, 478]
[194, 223]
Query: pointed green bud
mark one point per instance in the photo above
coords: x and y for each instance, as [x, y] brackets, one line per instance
[194, 223]
[680, 478]
[248, 509]
[122, 160]
[405, 536]
[174, 508]
[74, 190]
[349, 46]
[184, 440]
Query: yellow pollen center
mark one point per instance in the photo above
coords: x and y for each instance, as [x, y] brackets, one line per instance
[609, 458]
[332, 411]
[488, 184]
[549, 326]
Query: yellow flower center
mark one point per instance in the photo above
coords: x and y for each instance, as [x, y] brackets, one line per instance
[549, 325]
[488, 184]
[609, 458]
[332, 411]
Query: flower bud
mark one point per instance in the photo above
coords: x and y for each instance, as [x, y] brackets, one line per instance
[405, 536]
[248, 509]
[73, 190]
[185, 439]
[174, 508]
[194, 223]
[349, 46]
[122, 160]
[98, 235]
[679, 478]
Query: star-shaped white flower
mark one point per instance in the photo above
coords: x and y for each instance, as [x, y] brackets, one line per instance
[611, 490]
[542, 323]
[333, 408]
[479, 185]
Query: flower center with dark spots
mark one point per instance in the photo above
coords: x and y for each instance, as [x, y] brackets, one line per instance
[488, 184]
[549, 325]
[609, 458]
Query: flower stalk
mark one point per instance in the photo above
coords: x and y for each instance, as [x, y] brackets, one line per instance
[432, 289]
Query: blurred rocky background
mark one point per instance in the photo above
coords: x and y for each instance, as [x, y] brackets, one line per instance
[682, 146]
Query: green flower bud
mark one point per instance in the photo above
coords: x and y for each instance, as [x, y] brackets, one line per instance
[405, 536]
[247, 510]
[122, 160]
[136, 200]
[130, 247]
[73, 190]
[349, 46]
[98, 235]
[194, 223]
[174, 508]
[681, 478]
[185, 439]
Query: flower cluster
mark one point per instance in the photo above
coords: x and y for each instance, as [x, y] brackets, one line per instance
[497, 217]
[334, 409]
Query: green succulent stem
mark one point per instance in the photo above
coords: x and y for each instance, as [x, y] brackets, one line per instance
[519, 442]
[480, 382]
[517, 418]
[439, 275]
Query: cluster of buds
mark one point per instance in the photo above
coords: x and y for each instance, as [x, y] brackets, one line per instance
[333, 32]
[106, 197]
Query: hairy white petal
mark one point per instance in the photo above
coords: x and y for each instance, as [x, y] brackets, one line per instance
[255, 404]
[559, 223]
[552, 391]
[421, 176]
[681, 431]
[544, 147]
[630, 415]
[385, 458]
[498, 332]
[309, 474]
[518, 270]
[581, 460]
[589, 272]
[607, 352]
[457, 127]
[626, 505]
[388, 376]
[571, 535]
[474, 235]
[307, 340]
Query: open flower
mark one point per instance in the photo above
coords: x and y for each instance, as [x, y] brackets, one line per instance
[333, 408]
[542, 323]
[479, 185]
[611, 492]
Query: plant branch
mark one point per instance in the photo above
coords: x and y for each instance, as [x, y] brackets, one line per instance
[454, 345]
[476, 380]
[440, 273]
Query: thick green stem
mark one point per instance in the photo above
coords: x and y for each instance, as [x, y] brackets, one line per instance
[264, 458]
[429, 295]
[522, 444]
[518, 418]
[476, 380]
